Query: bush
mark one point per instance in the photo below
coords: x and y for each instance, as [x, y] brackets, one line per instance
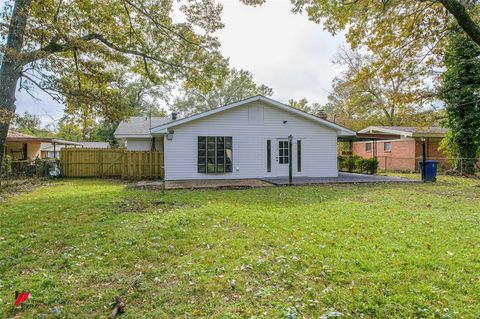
[8, 165]
[357, 164]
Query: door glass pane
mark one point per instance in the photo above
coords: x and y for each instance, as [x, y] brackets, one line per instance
[283, 152]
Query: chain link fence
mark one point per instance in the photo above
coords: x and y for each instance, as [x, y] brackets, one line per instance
[455, 165]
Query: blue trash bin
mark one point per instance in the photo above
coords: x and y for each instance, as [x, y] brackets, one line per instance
[430, 171]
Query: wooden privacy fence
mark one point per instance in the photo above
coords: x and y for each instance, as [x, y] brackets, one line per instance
[98, 162]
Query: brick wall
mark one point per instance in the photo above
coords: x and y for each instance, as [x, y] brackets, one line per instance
[401, 157]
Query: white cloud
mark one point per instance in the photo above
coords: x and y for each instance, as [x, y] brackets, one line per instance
[284, 51]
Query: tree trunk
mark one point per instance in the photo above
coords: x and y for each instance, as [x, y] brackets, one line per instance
[464, 20]
[10, 71]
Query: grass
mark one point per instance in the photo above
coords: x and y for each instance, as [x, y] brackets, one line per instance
[363, 251]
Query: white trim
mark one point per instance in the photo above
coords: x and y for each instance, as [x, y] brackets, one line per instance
[382, 141]
[120, 136]
[342, 131]
[380, 130]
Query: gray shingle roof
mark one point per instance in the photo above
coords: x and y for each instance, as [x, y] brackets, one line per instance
[139, 126]
[406, 130]
[411, 129]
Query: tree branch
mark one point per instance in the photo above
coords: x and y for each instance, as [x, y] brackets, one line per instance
[55, 47]
[54, 96]
[464, 20]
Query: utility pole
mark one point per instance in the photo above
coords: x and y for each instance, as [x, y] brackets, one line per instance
[424, 159]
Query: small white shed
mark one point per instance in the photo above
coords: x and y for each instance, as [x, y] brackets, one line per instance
[249, 139]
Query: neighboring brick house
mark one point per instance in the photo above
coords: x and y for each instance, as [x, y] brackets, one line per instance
[403, 153]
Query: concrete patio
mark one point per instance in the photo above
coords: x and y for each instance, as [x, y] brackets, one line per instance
[343, 178]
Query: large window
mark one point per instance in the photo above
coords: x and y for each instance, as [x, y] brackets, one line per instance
[283, 150]
[215, 154]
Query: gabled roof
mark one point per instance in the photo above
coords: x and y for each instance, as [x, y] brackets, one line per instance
[342, 131]
[407, 131]
[138, 126]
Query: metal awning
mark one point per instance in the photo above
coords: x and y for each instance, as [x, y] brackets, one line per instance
[369, 137]
[32, 139]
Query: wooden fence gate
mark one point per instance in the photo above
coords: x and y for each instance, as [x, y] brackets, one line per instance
[111, 162]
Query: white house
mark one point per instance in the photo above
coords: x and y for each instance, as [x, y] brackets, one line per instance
[245, 139]
[135, 133]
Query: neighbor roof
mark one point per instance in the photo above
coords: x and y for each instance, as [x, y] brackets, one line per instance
[48, 147]
[13, 136]
[343, 131]
[138, 126]
[96, 144]
[407, 131]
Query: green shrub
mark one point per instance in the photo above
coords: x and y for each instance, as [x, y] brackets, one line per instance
[8, 165]
[357, 164]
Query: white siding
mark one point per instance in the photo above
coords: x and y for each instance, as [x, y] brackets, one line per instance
[250, 127]
[139, 144]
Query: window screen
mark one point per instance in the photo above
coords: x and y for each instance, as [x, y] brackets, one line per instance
[387, 146]
[368, 147]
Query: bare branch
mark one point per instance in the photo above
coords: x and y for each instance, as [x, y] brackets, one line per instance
[47, 90]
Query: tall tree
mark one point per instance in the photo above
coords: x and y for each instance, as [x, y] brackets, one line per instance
[416, 24]
[389, 96]
[304, 105]
[72, 49]
[145, 98]
[460, 90]
[238, 85]
[26, 123]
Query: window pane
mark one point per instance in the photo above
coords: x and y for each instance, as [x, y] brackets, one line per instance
[368, 147]
[228, 154]
[211, 154]
[269, 155]
[220, 158]
[202, 154]
[387, 146]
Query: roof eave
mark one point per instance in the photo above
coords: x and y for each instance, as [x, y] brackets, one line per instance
[164, 127]
[120, 136]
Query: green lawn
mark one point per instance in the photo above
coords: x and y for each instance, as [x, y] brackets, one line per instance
[365, 251]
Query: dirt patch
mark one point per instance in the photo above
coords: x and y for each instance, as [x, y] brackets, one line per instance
[217, 184]
[10, 187]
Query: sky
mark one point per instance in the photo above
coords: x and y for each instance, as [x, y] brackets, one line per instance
[287, 52]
